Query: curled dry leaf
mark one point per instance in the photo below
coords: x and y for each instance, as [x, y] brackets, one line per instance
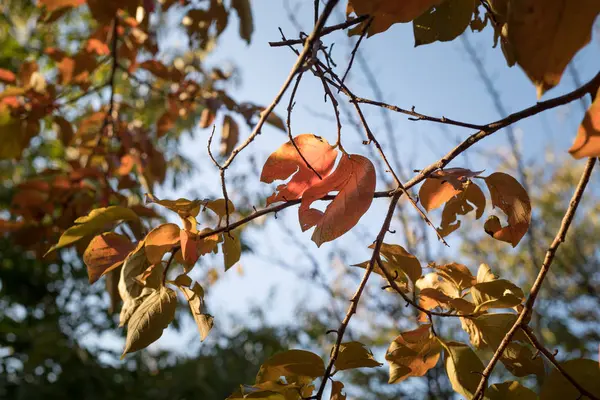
[286, 162]
[105, 253]
[462, 204]
[587, 142]
[354, 179]
[161, 240]
[149, 320]
[400, 260]
[508, 195]
[412, 353]
[230, 135]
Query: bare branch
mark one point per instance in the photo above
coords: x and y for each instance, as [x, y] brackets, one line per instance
[324, 31]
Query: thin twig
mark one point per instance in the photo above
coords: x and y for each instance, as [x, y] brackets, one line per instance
[325, 31]
[525, 314]
[358, 42]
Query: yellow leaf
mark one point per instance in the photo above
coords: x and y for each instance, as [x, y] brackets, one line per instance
[291, 363]
[511, 390]
[499, 293]
[355, 355]
[184, 207]
[336, 391]
[195, 298]
[97, 221]
[232, 249]
[149, 320]
[161, 240]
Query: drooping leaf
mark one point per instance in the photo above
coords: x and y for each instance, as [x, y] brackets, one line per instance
[543, 36]
[149, 320]
[105, 253]
[462, 204]
[230, 134]
[443, 22]
[195, 298]
[161, 240]
[508, 195]
[184, 207]
[290, 363]
[463, 367]
[585, 372]
[135, 264]
[412, 353]
[286, 162]
[97, 221]
[587, 141]
[189, 247]
[232, 248]
[355, 355]
[499, 293]
[218, 207]
[336, 391]
[244, 12]
[386, 13]
[511, 390]
[354, 179]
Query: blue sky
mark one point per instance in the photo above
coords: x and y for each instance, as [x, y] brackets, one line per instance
[438, 79]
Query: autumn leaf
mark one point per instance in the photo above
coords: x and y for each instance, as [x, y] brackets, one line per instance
[15, 134]
[7, 76]
[354, 179]
[436, 192]
[97, 221]
[443, 22]
[412, 353]
[160, 240]
[65, 130]
[164, 124]
[544, 35]
[286, 161]
[511, 390]
[587, 141]
[484, 274]
[585, 372]
[195, 298]
[290, 363]
[105, 253]
[184, 207]
[207, 117]
[135, 264]
[230, 134]
[463, 367]
[459, 275]
[400, 260]
[521, 361]
[232, 249]
[462, 204]
[336, 391]
[499, 293]
[149, 320]
[355, 355]
[244, 12]
[189, 247]
[52, 5]
[386, 13]
[508, 195]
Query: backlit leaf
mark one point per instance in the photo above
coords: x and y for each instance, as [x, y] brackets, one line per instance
[135, 264]
[459, 275]
[105, 253]
[355, 355]
[189, 247]
[354, 179]
[508, 195]
[436, 192]
[443, 22]
[336, 391]
[161, 240]
[583, 371]
[587, 142]
[463, 367]
[184, 207]
[195, 298]
[499, 293]
[400, 260]
[97, 221]
[412, 353]
[511, 390]
[290, 363]
[286, 162]
[149, 320]
[462, 204]
[232, 248]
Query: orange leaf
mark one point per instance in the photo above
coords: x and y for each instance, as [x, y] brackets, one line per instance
[52, 5]
[189, 247]
[105, 253]
[461, 205]
[436, 192]
[286, 162]
[587, 142]
[508, 195]
[412, 353]
[160, 240]
[7, 76]
[354, 178]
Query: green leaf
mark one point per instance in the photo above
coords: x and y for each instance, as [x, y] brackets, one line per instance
[412, 353]
[195, 298]
[355, 355]
[443, 22]
[463, 367]
[97, 221]
[244, 12]
[583, 371]
[511, 390]
[500, 293]
[149, 320]
[232, 248]
[291, 363]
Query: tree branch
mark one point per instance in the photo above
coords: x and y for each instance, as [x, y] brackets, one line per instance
[325, 31]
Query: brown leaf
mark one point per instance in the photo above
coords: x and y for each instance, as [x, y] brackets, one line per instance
[207, 117]
[508, 195]
[354, 179]
[230, 135]
[462, 204]
[161, 240]
[458, 274]
[355, 355]
[164, 124]
[65, 132]
[52, 5]
[436, 192]
[412, 353]
[105, 253]
[587, 142]
[499, 293]
[286, 162]
[336, 391]
[400, 260]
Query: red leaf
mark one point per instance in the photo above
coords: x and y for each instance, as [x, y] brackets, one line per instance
[354, 178]
[436, 192]
[7, 76]
[189, 247]
[105, 253]
[587, 142]
[286, 162]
